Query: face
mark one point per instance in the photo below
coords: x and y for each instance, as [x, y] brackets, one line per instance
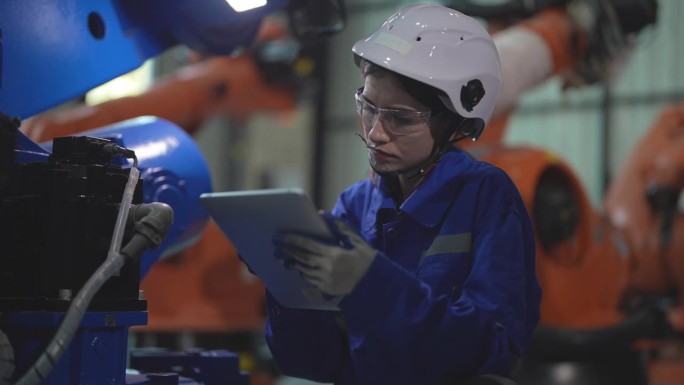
[396, 141]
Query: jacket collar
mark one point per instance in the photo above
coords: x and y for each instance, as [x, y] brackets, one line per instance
[436, 192]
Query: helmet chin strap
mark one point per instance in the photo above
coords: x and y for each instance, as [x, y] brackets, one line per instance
[419, 170]
[416, 171]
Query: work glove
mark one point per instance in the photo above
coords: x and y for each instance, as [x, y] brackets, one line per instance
[334, 267]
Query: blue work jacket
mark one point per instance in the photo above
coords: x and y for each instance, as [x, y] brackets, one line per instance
[451, 294]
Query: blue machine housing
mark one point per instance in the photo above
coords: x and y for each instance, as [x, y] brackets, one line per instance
[172, 170]
[94, 355]
[53, 51]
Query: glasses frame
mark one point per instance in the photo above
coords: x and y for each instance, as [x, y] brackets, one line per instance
[362, 104]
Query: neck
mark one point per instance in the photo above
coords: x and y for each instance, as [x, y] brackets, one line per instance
[406, 182]
[407, 186]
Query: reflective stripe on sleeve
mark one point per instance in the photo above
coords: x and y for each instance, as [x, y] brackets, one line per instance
[453, 243]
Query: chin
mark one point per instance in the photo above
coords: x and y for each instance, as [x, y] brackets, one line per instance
[385, 169]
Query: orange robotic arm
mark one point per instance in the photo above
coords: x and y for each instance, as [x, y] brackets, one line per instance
[233, 86]
[642, 203]
[531, 52]
[577, 42]
[585, 246]
[571, 257]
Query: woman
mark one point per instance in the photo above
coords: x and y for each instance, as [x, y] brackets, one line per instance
[436, 261]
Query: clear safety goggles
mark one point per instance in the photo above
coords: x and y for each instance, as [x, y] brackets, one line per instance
[395, 121]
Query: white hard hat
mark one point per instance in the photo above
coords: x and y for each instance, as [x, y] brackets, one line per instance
[443, 48]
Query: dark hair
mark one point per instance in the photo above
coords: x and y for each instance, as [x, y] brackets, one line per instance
[424, 93]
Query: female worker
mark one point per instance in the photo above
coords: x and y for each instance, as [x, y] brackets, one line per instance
[437, 268]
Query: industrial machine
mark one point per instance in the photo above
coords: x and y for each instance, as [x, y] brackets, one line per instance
[261, 78]
[610, 285]
[612, 281]
[86, 216]
[204, 290]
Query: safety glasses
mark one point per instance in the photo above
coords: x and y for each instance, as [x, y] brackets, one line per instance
[394, 121]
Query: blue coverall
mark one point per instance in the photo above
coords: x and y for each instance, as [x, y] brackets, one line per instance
[452, 292]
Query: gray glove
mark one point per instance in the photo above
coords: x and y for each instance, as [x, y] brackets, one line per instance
[334, 268]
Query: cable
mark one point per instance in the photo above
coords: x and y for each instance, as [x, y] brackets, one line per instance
[67, 329]
[114, 149]
[6, 359]
[151, 222]
[120, 226]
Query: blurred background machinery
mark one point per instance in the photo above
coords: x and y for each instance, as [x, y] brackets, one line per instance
[203, 296]
[588, 125]
[85, 217]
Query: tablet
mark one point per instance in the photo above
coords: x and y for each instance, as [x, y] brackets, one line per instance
[251, 218]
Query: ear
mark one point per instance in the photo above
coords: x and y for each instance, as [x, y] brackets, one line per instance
[471, 127]
[443, 127]
[447, 128]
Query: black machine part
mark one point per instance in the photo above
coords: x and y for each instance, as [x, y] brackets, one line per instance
[8, 133]
[311, 20]
[57, 219]
[632, 15]
[599, 356]
[556, 208]
[610, 26]
[664, 202]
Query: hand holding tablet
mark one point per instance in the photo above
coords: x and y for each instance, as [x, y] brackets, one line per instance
[251, 219]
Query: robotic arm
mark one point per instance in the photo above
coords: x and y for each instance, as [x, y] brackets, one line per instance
[576, 40]
[642, 202]
[234, 85]
[60, 50]
[59, 204]
[609, 283]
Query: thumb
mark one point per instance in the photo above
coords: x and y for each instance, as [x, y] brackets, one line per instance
[339, 229]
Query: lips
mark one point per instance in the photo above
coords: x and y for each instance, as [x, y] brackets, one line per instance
[381, 154]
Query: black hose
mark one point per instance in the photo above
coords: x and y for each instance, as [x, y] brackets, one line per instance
[150, 222]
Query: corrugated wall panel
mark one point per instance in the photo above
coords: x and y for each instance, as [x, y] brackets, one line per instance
[571, 123]
[652, 79]
[571, 134]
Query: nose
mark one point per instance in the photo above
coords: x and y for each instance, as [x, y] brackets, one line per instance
[377, 133]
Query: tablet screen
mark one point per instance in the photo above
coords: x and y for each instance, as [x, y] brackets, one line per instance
[251, 218]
